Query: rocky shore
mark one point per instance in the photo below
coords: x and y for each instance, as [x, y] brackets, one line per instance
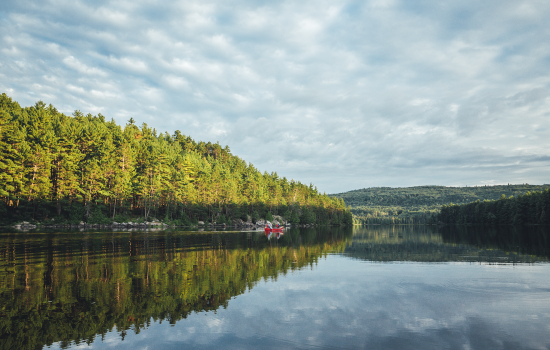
[157, 225]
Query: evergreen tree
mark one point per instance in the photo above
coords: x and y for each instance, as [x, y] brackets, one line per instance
[295, 218]
[80, 166]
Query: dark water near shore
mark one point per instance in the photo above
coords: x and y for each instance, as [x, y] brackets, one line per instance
[397, 287]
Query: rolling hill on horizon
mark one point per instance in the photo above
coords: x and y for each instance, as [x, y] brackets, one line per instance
[418, 204]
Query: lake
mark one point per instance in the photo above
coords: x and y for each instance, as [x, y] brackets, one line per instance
[382, 287]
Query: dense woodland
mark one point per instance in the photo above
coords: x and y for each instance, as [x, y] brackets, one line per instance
[420, 204]
[530, 208]
[66, 169]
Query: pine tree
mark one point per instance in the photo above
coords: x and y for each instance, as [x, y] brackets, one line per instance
[10, 159]
[82, 165]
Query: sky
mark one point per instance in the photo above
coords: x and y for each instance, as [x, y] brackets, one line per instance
[341, 94]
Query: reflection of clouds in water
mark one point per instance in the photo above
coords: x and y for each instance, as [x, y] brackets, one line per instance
[347, 303]
[214, 323]
[377, 307]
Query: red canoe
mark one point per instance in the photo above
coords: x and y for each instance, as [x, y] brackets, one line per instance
[268, 230]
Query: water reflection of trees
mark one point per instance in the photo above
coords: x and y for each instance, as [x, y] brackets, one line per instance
[444, 244]
[528, 243]
[62, 287]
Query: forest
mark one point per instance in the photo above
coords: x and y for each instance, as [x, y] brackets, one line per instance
[420, 204]
[530, 208]
[64, 169]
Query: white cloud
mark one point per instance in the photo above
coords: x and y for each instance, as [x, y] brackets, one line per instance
[353, 93]
[73, 63]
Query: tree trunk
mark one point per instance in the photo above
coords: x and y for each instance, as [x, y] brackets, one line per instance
[114, 208]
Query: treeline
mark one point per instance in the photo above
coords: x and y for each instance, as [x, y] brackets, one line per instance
[429, 196]
[378, 215]
[75, 289]
[420, 204]
[68, 169]
[530, 208]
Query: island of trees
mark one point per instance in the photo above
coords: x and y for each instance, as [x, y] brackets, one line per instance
[62, 169]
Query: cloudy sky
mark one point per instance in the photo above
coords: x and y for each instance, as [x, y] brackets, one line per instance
[344, 94]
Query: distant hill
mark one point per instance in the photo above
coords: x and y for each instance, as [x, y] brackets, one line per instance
[431, 195]
[417, 204]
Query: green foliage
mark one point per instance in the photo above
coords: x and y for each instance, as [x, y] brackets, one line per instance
[287, 215]
[421, 204]
[269, 216]
[75, 213]
[222, 219]
[98, 216]
[307, 217]
[430, 196]
[54, 165]
[255, 216]
[295, 218]
[520, 210]
[347, 218]
[121, 218]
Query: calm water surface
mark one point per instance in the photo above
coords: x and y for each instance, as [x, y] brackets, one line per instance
[374, 288]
